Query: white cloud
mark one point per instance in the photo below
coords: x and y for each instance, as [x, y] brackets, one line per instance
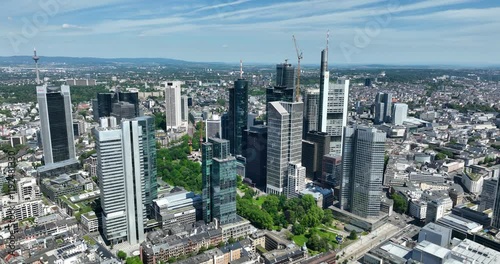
[218, 6]
[73, 27]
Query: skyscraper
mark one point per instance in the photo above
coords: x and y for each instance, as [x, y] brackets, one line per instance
[119, 104]
[173, 104]
[362, 173]
[399, 113]
[315, 146]
[213, 127]
[285, 75]
[184, 108]
[496, 205]
[324, 91]
[219, 181]
[383, 108]
[311, 111]
[147, 124]
[333, 112]
[237, 114]
[256, 154]
[488, 194]
[56, 124]
[284, 146]
[120, 170]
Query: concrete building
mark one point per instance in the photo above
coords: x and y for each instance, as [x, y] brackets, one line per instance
[180, 207]
[437, 209]
[27, 189]
[436, 234]
[56, 125]
[473, 182]
[363, 166]
[90, 222]
[430, 253]
[173, 104]
[383, 107]
[284, 145]
[332, 171]
[219, 181]
[399, 113]
[473, 215]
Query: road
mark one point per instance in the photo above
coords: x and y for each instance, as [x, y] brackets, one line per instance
[366, 243]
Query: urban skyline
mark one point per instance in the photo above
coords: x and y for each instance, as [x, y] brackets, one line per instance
[393, 30]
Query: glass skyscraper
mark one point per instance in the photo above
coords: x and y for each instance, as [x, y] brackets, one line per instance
[56, 122]
[362, 171]
[147, 124]
[219, 181]
[238, 115]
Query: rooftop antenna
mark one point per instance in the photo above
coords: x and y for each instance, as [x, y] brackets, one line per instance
[241, 69]
[36, 58]
[327, 39]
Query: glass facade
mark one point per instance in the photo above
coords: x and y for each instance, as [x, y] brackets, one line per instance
[238, 115]
[58, 129]
[219, 182]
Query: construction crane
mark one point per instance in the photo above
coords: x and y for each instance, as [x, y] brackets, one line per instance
[299, 57]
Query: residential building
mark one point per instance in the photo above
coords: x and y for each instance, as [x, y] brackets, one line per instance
[90, 222]
[27, 189]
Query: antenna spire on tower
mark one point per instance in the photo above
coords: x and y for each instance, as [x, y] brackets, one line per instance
[327, 39]
[36, 58]
[241, 69]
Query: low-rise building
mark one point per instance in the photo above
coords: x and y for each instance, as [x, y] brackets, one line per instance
[177, 207]
[90, 222]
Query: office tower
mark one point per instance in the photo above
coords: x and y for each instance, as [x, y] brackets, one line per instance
[120, 170]
[285, 75]
[224, 121]
[488, 194]
[311, 111]
[399, 113]
[147, 124]
[496, 206]
[296, 179]
[105, 106]
[237, 114]
[213, 127]
[379, 113]
[333, 112]
[184, 108]
[123, 110]
[383, 108]
[173, 104]
[256, 155]
[332, 171]
[284, 145]
[219, 181]
[362, 171]
[56, 124]
[314, 147]
[368, 82]
[251, 119]
[324, 90]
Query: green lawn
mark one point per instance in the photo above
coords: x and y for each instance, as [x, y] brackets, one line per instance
[300, 240]
[260, 200]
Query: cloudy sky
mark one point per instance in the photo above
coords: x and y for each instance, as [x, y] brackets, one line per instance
[361, 31]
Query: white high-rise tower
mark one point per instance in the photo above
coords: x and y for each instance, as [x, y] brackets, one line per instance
[173, 104]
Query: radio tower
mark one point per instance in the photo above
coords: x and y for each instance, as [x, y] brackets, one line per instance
[241, 69]
[36, 58]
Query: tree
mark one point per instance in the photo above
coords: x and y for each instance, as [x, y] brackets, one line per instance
[308, 202]
[231, 240]
[440, 156]
[400, 203]
[5, 188]
[271, 204]
[298, 229]
[327, 216]
[353, 235]
[121, 255]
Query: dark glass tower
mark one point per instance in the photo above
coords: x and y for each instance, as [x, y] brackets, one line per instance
[256, 155]
[238, 115]
[106, 105]
[285, 75]
[56, 123]
[219, 181]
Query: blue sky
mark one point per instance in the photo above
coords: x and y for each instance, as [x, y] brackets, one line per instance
[361, 31]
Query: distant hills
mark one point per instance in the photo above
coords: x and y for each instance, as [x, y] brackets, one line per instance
[90, 61]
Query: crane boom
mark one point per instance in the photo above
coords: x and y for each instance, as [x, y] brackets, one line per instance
[299, 58]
